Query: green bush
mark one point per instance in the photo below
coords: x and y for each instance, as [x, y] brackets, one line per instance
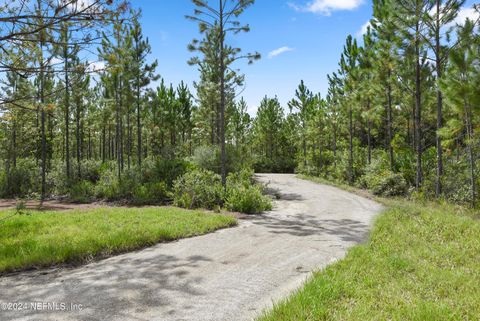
[56, 178]
[203, 189]
[243, 177]
[81, 192]
[390, 184]
[151, 185]
[164, 170]
[457, 181]
[342, 170]
[89, 169]
[382, 181]
[308, 170]
[244, 195]
[21, 180]
[198, 189]
[150, 194]
[247, 199]
[108, 186]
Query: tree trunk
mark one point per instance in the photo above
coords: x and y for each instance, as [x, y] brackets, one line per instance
[67, 107]
[121, 128]
[320, 155]
[42, 129]
[14, 143]
[369, 140]
[139, 127]
[350, 155]
[335, 147]
[472, 159]
[223, 168]
[44, 145]
[117, 131]
[369, 134]
[439, 69]
[389, 123]
[304, 144]
[89, 153]
[79, 141]
[129, 139]
[418, 108]
[104, 147]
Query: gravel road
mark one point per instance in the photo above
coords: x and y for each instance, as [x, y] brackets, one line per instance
[232, 274]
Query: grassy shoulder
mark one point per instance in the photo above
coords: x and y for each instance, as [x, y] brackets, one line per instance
[421, 263]
[73, 237]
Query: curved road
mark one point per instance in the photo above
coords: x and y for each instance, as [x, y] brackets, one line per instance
[231, 274]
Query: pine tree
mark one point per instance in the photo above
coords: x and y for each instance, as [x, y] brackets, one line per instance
[143, 73]
[460, 86]
[304, 103]
[410, 16]
[444, 12]
[221, 21]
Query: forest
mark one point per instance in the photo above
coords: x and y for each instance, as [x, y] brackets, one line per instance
[400, 115]
[370, 187]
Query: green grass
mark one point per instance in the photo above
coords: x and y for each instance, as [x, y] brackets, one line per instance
[74, 237]
[422, 262]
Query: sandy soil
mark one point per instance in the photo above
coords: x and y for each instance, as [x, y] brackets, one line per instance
[50, 205]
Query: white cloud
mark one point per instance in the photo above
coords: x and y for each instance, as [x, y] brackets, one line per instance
[326, 7]
[279, 51]
[77, 4]
[465, 13]
[55, 61]
[96, 66]
[363, 30]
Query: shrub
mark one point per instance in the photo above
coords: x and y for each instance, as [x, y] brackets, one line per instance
[308, 170]
[382, 181]
[342, 171]
[198, 189]
[165, 170]
[81, 192]
[89, 169]
[243, 177]
[21, 180]
[150, 193]
[244, 195]
[457, 181]
[247, 199]
[390, 184]
[108, 186]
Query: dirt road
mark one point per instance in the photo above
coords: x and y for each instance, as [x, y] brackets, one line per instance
[231, 274]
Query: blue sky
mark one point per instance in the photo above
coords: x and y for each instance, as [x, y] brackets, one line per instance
[307, 37]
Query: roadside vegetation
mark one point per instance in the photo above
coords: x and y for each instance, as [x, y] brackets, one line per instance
[400, 118]
[421, 263]
[33, 239]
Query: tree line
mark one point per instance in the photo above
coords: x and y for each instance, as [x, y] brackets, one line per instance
[399, 116]
[402, 108]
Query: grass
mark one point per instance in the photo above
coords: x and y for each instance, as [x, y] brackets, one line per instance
[421, 263]
[74, 237]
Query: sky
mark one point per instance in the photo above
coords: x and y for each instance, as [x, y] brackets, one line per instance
[298, 40]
